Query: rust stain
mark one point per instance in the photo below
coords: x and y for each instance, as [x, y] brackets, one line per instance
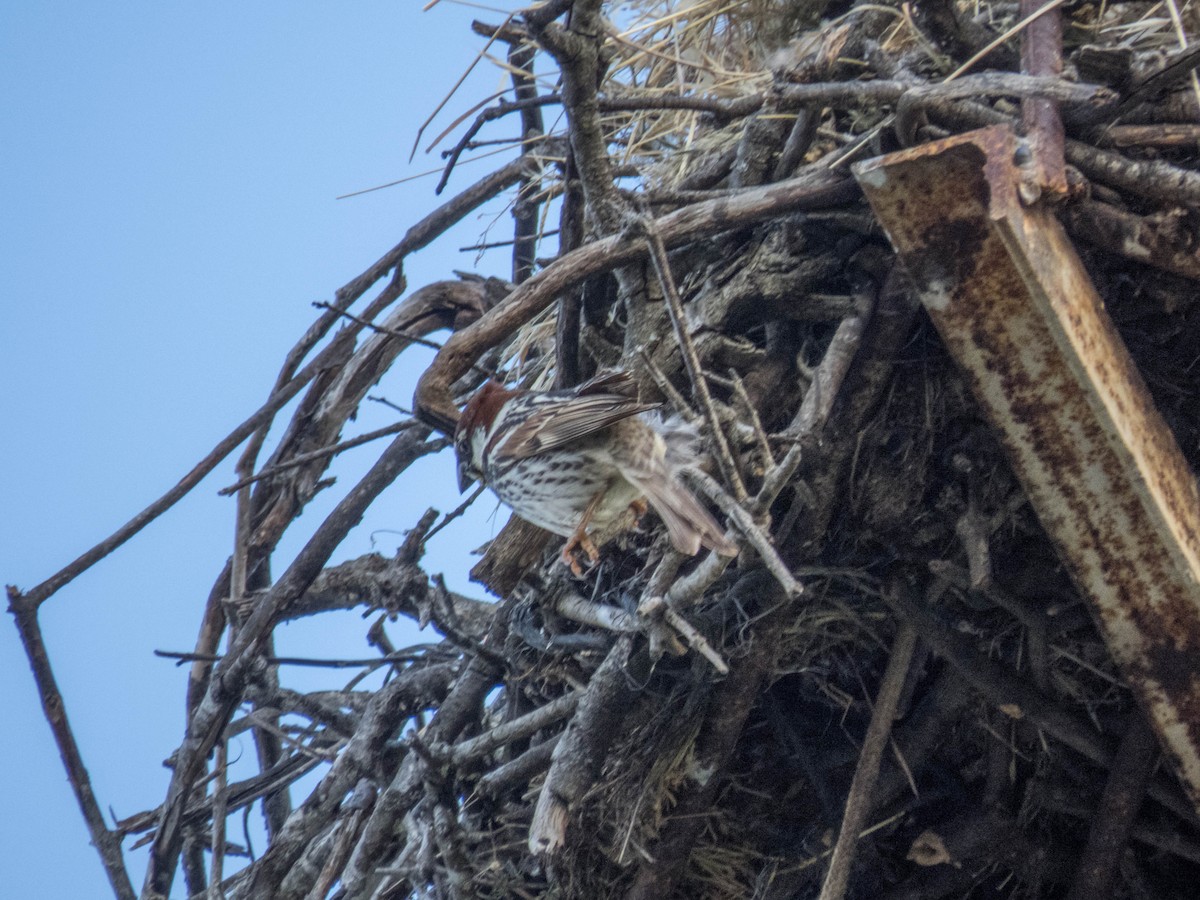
[1015, 307]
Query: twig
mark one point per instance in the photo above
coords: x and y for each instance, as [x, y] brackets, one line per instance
[760, 434]
[858, 803]
[219, 812]
[241, 795]
[812, 416]
[224, 690]
[350, 820]
[379, 329]
[908, 93]
[1115, 818]
[463, 77]
[375, 662]
[520, 770]
[662, 268]
[333, 450]
[107, 845]
[655, 608]
[575, 46]
[495, 245]
[724, 720]
[519, 728]
[455, 513]
[578, 756]
[393, 703]
[694, 638]
[459, 708]
[571, 606]
[416, 237]
[758, 538]
[674, 398]
[521, 104]
[1147, 179]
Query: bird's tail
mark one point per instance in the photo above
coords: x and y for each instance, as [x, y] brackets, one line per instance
[689, 525]
[681, 438]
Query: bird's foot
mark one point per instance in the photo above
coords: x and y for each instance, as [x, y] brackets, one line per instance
[579, 540]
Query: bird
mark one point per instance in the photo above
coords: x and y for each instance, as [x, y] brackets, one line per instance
[574, 461]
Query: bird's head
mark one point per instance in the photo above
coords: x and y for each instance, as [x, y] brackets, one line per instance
[475, 428]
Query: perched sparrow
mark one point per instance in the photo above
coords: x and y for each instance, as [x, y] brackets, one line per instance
[575, 461]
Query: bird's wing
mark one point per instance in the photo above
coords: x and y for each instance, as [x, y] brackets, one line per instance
[609, 381]
[556, 421]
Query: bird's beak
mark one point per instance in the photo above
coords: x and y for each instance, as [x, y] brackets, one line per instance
[466, 477]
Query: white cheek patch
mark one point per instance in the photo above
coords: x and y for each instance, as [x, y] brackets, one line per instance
[480, 442]
[478, 448]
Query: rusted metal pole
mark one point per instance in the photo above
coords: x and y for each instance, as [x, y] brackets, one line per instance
[1016, 308]
[1041, 54]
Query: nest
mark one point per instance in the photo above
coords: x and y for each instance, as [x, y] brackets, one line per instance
[668, 727]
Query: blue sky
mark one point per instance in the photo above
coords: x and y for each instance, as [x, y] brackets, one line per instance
[170, 174]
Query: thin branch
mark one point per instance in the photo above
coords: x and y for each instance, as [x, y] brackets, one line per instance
[380, 329]
[858, 803]
[219, 812]
[662, 268]
[755, 535]
[106, 843]
[413, 654]
[333, 450]
[519, 728]
[1118, 811]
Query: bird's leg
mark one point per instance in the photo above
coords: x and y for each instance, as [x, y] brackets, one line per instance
[579, 537]
[638, 507]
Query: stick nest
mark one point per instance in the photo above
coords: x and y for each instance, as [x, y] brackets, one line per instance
[670, 727]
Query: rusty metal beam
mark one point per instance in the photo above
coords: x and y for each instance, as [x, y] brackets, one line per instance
[1041, 54]
[1017, 310]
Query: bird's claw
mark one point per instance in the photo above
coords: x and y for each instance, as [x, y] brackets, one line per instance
[581, 540]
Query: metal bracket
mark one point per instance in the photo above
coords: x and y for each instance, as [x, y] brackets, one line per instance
[1014, 305]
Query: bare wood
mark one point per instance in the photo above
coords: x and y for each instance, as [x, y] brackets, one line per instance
[520, 727]
[1164, 240]
[662, 268]
[1114, 821]
[106, 843]
[579, 754]
[858, 803]
[224, 690]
